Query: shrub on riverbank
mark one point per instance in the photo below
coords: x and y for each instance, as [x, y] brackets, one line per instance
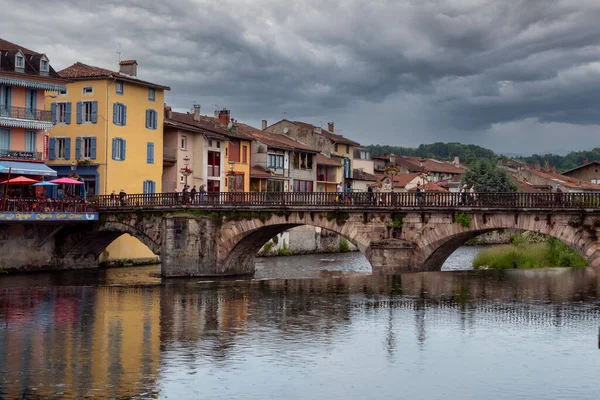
[522, 254]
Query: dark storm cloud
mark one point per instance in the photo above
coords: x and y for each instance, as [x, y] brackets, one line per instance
[400, 72]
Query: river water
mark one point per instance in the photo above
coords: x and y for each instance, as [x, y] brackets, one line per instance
[344, 334]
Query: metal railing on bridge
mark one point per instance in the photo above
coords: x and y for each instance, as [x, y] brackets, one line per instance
[354, 200]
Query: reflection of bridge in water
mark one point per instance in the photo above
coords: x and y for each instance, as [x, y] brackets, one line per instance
[120, 337]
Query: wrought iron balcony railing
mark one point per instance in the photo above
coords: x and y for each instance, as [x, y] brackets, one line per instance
[32, 114]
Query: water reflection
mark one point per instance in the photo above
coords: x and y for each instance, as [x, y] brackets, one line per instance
[252, 338]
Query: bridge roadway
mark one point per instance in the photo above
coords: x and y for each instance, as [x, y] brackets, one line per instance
[219, 234]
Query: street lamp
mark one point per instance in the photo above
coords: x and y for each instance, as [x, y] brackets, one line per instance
[186, 171]
[422, 164]
[231, 167]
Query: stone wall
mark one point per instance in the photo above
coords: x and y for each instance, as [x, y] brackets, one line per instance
[304, 240]
[23, 248]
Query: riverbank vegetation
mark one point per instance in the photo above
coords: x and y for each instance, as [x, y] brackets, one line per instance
[529, 251]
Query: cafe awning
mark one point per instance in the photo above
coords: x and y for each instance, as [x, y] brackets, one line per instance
[26, 168]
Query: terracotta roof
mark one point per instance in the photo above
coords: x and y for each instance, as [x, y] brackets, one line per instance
[274, 140]
[324, 160]
[128, 62]
[80, 71]
[401, 180]
[359, 175]
[582, 166]
[431, 187]
[5, 45]
[412, 163]
[335, 138]
[259, 172]
[9, 50]
[567, 181]
[187, 121]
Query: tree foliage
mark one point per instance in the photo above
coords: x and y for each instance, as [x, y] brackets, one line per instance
[487, 177]
[446, 151]
[564, 163]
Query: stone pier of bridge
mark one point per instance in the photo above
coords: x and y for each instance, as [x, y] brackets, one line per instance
[195, 242]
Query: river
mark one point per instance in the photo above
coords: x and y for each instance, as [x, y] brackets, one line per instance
[344, 334]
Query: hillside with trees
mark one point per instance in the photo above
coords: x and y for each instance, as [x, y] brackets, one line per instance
[469, 153]
[445, 151]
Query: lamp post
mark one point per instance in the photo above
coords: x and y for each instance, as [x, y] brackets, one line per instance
[186, 163]
[422, 164]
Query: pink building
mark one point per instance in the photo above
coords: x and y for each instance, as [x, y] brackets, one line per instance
[25, 76]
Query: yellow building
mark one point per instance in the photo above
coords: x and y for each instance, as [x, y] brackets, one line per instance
[108, 130]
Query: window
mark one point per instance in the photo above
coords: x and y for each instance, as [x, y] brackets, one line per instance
[60, 148]
[303, 186]
[363, 155]
[61, 113]
[245, 154]
[151, 119]
[119, 86]
[87, 90]
[30, 141]
[118, 149]
[20, 61]
[44, 65]
[347, 149]
[119, 114]
[85, 147]
[210, 143]
[87, 112]
[61, 92]
[5, 100]
[150, 153]
[151, 94]
[274, 161]
[149, 187]
[302, 160]
[181, 179]
[218, 145]
[5, 139]
[236, 183]
[183, 142]
[214, 163]
[213, 186]
[335, 147]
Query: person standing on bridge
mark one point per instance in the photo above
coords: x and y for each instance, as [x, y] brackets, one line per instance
[193, 194]
[558, 197]
[340, 192]
[122, 197]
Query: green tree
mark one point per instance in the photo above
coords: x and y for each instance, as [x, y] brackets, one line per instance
[487, 177]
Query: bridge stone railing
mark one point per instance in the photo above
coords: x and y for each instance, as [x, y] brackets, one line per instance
[278, 200]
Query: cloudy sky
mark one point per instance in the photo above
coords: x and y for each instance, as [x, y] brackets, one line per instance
[518, 76]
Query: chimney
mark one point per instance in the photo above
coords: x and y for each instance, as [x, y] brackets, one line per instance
[553, 169]
[224, 116]
[499, 161]
[585, 161]
[128, 67]
[196, 112]
[537, 166]
[264, 124]
[456, 161]
[546, 166]
[330, 127]
[168, 112]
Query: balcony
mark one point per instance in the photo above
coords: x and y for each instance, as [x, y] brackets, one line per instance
[21, 117]
[169, 155]
[21, 155]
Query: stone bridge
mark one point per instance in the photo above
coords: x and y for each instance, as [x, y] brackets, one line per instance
[223, 240]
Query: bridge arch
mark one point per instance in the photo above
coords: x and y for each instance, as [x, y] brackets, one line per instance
[84, 244]
[434, 246]
[240, 241]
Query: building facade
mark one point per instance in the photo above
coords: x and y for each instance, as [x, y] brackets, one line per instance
[25, 76]
[108, 129]
[589, 171]
[196, 147]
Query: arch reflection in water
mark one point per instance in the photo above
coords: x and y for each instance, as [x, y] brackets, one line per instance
[306, 338]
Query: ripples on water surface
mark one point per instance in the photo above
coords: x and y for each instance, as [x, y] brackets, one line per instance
[442, 335]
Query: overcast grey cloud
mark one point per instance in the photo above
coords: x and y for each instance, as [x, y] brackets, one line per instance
[517, 76]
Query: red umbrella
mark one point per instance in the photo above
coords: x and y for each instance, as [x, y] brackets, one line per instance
[19, 180]
[66, 181]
